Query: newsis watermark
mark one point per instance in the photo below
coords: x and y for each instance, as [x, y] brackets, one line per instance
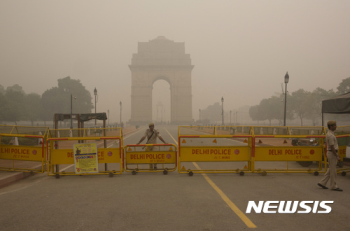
[289, 207]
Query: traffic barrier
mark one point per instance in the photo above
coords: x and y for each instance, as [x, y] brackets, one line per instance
[86, 149]
[158, 158]
[217, 145]
[343, 137]
[296, 146]
[22, 148]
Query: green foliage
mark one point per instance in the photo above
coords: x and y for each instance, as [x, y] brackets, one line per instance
[254, 113]
[212, 112]
[53, 101]
[14, 106]
[2, 90]
[58, 99]
[15, 87]
[314, 102]
[4, 108]
[301, 103]
[270, 109]
[344, 86]
[33, 107]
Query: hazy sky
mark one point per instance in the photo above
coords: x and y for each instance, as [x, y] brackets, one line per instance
[240, 49]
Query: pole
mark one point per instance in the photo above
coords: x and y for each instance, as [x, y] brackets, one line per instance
[120, 113]
[95, 110]
[222, 100]
[285, 106]
[236, 118]
[230, 117]
[108, 116]
[71, 111]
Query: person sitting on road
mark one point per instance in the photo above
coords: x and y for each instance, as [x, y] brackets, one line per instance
[152, 135]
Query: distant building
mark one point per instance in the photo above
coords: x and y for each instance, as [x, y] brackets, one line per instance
[159, 59]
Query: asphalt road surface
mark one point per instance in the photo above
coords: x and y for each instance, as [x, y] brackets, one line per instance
[153, 201]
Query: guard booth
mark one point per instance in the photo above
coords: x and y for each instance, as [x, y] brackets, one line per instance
[80, 118]
[62, 144]
[288, 149]
[215, 149]
[22, 148]
[150, 158]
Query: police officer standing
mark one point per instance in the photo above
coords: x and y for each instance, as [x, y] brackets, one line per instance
[152, 135]
[332, 156]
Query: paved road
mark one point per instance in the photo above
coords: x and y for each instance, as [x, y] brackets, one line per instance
[153, 201]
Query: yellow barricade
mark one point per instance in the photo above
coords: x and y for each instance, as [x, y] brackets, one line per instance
[109, 149]
[343, 137]
[215, 145]
[297, 147]
[159, 158]
[22, 148]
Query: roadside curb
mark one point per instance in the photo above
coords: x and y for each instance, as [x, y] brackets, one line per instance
[16, 176]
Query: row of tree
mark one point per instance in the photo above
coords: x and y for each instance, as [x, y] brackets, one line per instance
[16, 105]
[301, 104]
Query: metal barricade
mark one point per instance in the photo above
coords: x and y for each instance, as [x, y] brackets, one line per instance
[221, 148]
[343, 137]
[22, 148]
[158, 158]
[297, 147]
[109, 143]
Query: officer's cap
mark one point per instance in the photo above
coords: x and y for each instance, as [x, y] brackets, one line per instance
[331, 122]
[151, 124]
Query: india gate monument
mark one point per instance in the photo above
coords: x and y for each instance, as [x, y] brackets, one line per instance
[161, 59]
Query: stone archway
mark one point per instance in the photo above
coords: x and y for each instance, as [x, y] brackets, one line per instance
[158, 59]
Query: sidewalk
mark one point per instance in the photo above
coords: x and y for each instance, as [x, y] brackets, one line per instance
[7, 178]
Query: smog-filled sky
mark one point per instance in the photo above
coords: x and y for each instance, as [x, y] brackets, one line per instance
[240, 49]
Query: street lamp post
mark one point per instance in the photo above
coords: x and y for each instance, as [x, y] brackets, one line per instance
[108, 116]
[200, 112]
[222, 101]
[286, 80]
[230, 117]
[236, 118]
[95, 93]
[120, 113]
[71, 111]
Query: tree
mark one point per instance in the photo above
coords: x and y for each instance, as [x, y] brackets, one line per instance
[314, 103]
[2, 90]
[57, 99]
[4, 108]
[254, 113]
[83, 97]
[14, 105]
[270, 109]
[212, 112]
[298, 104]
[344, 86]
[15, 87]
[53, 101]
[33, 107]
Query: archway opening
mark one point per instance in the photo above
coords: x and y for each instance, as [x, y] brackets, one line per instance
[161, 103]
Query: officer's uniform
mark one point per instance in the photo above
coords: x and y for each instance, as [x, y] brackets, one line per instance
[151, 139]
[332, 160]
